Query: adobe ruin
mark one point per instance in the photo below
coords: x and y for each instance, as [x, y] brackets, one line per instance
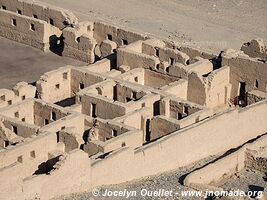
[140, 98]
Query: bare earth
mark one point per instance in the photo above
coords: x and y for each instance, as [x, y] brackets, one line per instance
[246, 180]
[19, 62]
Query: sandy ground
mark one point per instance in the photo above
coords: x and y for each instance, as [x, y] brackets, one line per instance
[23, 63]
[212, 24]
[246, 180]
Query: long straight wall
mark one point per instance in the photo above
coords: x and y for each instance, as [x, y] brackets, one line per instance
[184, 146]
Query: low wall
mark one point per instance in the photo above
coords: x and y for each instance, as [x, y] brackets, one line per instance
[255, 96]
[54, 86]
[177, 88]
[11, 189]
[20, 110]
[20, 92]
[30, 153]
[223, 168]
[23, 130]
[101, 66]
[195, 117]
[65, 82]
[72, 175]
[26, 30]
[136, 119]
[105, 108]
[184, 146]
[161, 126]
[57, 17]
[133, 139]
[74, 120]
[102, 30]
[87, 78]
[134, 59]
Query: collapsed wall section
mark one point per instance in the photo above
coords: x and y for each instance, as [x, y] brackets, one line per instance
[79, 42]
[250, 156]
[210, 90]
[255, 49]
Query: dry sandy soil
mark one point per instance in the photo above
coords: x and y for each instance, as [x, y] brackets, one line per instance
[212, 24]
[24, 63]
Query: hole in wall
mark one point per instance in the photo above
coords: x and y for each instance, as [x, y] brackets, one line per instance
[124, 42]
[109, 37]
[53, 116]
[46, 121]
[167, 69]
[81, 86]
[32, 27]
[179, 116]
[114, 133]
[51, 21]
[65, 75]
[20, 159]
[14, 22]
[148, 133]
[171, 61]
[99, 91]
[93, 110]
[16, 114]
[3, 98]
[256, 84]
[32, 153]
[15, 129]
[186, 110]
[57, 134]
[157, 66]
[6, 143]
[157, 52]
